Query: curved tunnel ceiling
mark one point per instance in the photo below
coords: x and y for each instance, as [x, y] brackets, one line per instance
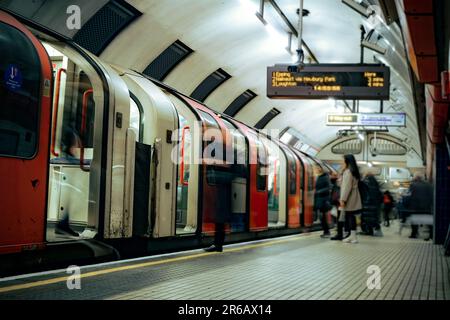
[226, 34]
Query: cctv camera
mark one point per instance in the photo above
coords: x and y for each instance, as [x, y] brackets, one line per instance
[374, 47]
[292, 68]
[358, 8]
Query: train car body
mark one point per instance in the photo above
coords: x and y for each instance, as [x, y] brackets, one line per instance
[98, 160]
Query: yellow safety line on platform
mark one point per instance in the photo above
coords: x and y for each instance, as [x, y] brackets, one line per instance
[142, 265]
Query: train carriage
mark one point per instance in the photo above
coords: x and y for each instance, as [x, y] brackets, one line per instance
[98, 160]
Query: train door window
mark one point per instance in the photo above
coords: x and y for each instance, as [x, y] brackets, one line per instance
[239, 179]
[240, 149]
[20, 82]
[184, 225]
[213, 148]
[292, 170]
[136, 122]
[261, 167]
[273, 183]
[74, 188]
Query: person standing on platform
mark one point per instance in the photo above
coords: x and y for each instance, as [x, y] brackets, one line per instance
[388, 204]
[322, 201]
[421, 202]
[350, 199]
[221, 178]
[335, 196]
[373, 206]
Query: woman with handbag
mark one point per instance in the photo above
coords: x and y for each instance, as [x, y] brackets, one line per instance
[350, 198]
[335, 212]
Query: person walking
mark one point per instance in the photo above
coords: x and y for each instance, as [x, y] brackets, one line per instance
[350, 198]
[388, 204]
[421, 202]
[322, 201]
[373, 206]
[222, 178]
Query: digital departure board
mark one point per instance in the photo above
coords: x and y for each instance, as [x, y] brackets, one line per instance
[321, 81]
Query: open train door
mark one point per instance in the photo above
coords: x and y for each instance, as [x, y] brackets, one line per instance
[25, 104]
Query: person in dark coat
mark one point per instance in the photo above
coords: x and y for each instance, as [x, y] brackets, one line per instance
[222, 179]
[322, 201]
[372, 207]
[388, 204]
[421, 202]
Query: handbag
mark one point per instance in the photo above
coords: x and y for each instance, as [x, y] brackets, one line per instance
[334, 211]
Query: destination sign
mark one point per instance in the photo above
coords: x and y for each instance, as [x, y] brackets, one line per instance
[321, 81]
[367, 119]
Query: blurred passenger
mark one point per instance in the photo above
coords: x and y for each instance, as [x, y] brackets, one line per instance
[388, 204]
[221, 178]
[372, 207]
[421, 202]
[322, 201]
[335, 196]
[350, 198]
[403, 207]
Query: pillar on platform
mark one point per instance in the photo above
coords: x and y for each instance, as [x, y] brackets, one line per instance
[441, 184]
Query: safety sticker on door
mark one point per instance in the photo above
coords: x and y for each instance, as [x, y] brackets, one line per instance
[46, 92]
[13, 78]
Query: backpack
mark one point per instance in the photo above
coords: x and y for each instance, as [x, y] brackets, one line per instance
[363, 192]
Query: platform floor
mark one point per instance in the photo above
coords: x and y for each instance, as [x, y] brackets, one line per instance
[296, 267]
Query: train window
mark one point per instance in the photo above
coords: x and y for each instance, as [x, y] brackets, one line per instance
[85, 112]
[261, 167]
[20, 83]
[185, 219]
[292, 167]
[215, 154]
[311, 176]
[210, 122]
[240, 150]
[185, 155]
[136, 121]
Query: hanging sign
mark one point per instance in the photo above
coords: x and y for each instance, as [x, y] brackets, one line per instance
[322, 81]
[367, 119]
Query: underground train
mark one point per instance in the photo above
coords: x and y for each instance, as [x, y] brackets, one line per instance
[129, 181]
